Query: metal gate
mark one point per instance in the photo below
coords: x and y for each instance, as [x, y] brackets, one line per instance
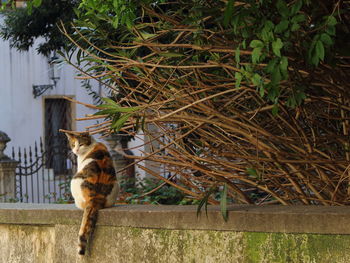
[37, 180]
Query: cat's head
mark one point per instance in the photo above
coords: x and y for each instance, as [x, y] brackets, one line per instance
[79, 143]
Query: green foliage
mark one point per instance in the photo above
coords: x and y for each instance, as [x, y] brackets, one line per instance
[22, 26]
[223, 202]
[277, 31]
[205, 200]
[186, 62]
[166, 195]
[119, 115]
[113, 12]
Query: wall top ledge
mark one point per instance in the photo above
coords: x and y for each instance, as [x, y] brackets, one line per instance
[274, 218]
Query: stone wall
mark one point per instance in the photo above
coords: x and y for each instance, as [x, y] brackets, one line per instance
[48, 233]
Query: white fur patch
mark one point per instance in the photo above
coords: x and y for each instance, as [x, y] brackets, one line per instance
[82, 163]
[112, 197]
[75, 187]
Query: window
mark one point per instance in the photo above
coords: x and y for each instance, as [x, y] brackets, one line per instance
[58, 115]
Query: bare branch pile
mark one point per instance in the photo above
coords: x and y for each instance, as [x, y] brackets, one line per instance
[210, 132]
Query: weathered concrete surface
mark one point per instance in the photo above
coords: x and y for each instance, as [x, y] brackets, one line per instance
[27, 244]
[284, 219]
[48, 233]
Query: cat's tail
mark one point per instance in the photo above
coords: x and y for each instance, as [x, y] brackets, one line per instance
[88, 223]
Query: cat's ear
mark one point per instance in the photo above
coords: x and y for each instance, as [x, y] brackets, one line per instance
[69, 136]
[86, 137]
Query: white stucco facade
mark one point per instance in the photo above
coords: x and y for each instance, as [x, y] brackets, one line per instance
[21, 115]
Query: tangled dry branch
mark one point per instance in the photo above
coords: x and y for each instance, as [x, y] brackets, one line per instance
[207, 131]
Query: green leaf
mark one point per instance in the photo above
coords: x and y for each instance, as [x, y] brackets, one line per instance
[276, 76]
[244, 44]
[275, 110]
[104, 112]
[276, 47]
[110, 101]
[296, 7]
[331, 21]
[204, 200]
[106, 106]
[117, 108]
[237, 55]
[315, 60]
[115, 22]
[256, 44]
[256, 54]
[294, 27]
[238, 77]
[319, 50]
[268, 25]
[127, 109]
[223, 203]
[330, 30]
[120, 122]
[291, 102]
[282, 26]
[256, 79]
[300, 97]
[228, 14]
[298, 18]
[145, 35]
[111, 104]
[29, 7]
[271, 65]
[282, 8]
[273, 93]
[252, 172]
[284, 67]
[262, 91]
[37, 3]
[326, 39]
[171, 55]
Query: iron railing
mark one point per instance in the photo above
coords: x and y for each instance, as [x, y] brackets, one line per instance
[36, 182]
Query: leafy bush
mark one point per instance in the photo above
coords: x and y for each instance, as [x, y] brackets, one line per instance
[249, 96]
[144, 193]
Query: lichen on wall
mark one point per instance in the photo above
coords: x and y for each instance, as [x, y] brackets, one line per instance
[281, 247]
[57, 243]
[26, 244]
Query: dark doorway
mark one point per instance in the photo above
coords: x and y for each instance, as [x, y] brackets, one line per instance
[58, 115]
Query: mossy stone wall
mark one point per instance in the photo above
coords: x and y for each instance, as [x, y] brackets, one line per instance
[53, 240]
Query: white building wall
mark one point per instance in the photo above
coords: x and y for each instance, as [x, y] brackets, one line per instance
[21, 115]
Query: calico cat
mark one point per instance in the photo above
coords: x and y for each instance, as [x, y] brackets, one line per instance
[94, 186]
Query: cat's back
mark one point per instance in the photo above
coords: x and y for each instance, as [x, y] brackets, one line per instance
[97, 177]
[101, 163]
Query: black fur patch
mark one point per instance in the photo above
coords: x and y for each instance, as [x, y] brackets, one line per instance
[109, 170]
[104, 189]
[92, 169]
[79, 175]
[97, 155]
[84, 139]
[82, 239]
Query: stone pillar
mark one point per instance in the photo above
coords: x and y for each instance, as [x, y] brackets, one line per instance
[7, 172]
[118, 145]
